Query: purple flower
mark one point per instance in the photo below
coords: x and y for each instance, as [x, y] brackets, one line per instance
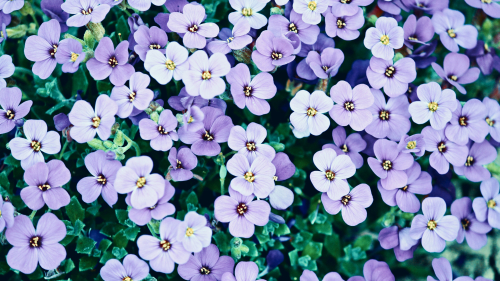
[390, 164]
[138, 96]
[244, 271]
[443, 150]
[36, 246]
[251, 176]
[11, 109]
[136, 177]
[206, 265]
[241, 212]
[158, 211]
[417, 182]
[38, 140]
[400, 240]
[193, 118]
[308, 275]
[85, 11]
[184, 101]
[248, 10]
[390, 119]
[7, 68]
[205, 141]
[344, 26]
[352, 105]
[392, 7]
[412, 144]
[428, 6]
[472, 229]
[327, 64]
[394, 77]
[111, 62]
[456, 71]
[87, 122]
[149, 39]
[133, 268]
[491, 8]
[484, 56]
[163, 67]
[468, 123]
[232, 40]
[9, 6]
[308, 33]
[182, 161]
[493, 117]
[422, 55]
[6, 214]
[479, 154]
[161, 134]
[374, 270]
[134, 22]
[144, 5]
[52, 9]
[384, 38]
[352, 204]
[350, 146]
[308, 113]
[449, 24]
[70, 55]
[433, 226]
[488, 206]
[272, 51]
[249, 142]
[348, 8]
[42, 48]
[310, 10]
[417, 31]
[189, 23]
[442, 269]
[357, 74]
[322, 43]
[102, 180]
[194, 234]
[165, 252]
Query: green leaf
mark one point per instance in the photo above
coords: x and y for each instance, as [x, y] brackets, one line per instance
[4, 268]
[78, 227]
[301, 240]
[131, 233]
[106, 256]
[192, 198]
[111, 229]
[364, 242]
[11, 161]
[37, 275]
[282, 230]
[74, 210]
[313, 249]
[122, 28]
[87, 263]
[94, 209]
[104, 245]
[324, 228]
[294, 257]
[120, 239]
[84, 245]
[252, 249]
[103, 86]
[222, 241]
[79, 82]
[277, 146]
[56, 107]
[4, 181]
[332, 245]
[119, 253]
[68, 265]
[121, 215]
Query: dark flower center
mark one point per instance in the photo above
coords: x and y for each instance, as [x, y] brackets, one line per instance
[431, 225]
[153, 207]
[96, 121]
[251, 146]
[349, 106]
[113, 62]
[205, 75]
[325, 68]
[131, 96]
[453, 77]
[247, 90]
[488, 120]
[462, 121]
[36, 242]
[451, 33]
[442, 147]
[205, 270]
[387, 165]
[276, 56]
[193, 28]
[344, 148]
[161, 130]
[154, 46]
[101, 179]
[340, 23]
[165, 245]
[230, 39]
[470, 161]
[413, 38]
[345, 1]
[345, 199]
[53, 51]
[390, 71]
[179, 164]
[241, 209]
[10, 114]
[465, 223]
[329, 175]
[207, 136]
[44, 187]
[292, 27]
[404, 188]
[87, 12]
[141, 182]
[36, 145]
[384, 115]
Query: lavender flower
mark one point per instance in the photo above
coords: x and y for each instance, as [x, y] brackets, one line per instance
[70, 55]
[158, 211]
[493, 117]
[194, 234]
[427, 6]
[244, 271]
[394, 77]
[467, 122]
[442, 268]
[6, 214]
[472, 229]
[144, 5]
[374, 270]
[36, 246]
[491, 8]
[206, 265]
[456, 71]
[308, 109]
[102, 180]
[422, 55]
[412, 144]
[392, 7]
[308, 275]
[248, 10]
[7, 68]
[9, 6]
[251, 176]
[272, 51]
[384, 38]
[193, 119]
[484, 55]
[87, 122]
[321, 43]
[348, 8]
[449, 24]
[165, 252]
[42, 48]
[249, 142]
[352, 204]
[11, 110]
[236, 39]
[189, 23]
[344, 26]
[400, 240]
[433, 226]
[417, 31]
[479, 154]
[162, 67]
[134, 22]
[352, 105]
[350, 146]
[38, 140]
[443, 150]
[133, 268]
[182, 161]
[149, 39]
[280, 25]
[136, 96]
[161, 134]
[310, 10]
[85, 11]
[487, 208]
[327, 64]
[53, 10]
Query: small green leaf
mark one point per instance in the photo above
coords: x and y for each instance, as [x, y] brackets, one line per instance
[131, 233]
[222, 241]
[364, 242]
[192, 198]
[332, 245]
[313, 249]
[37, 275]
[74, 210]
[120, 239]
[87, 263]
[104, 245]
[79, 82]
[294, 257]
[119, 253]
[84, 245]
[11, 161]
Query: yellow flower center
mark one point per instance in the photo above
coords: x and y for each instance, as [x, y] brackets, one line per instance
[251, 146]
[349, 106]
[488, 120]
[412, 38]
[126, 278]
[452, 33]
[36, 145]
[249, 177]
[35, 242]
[189, 232]
[247, 12]
[170, 64]
[387, 165]
[165, 245]
[492, 203]
[241, 209]
[411, 145]
[190, 120]
[204, 270]
[433, 106]
[276, 56]
[44, 187]
[292, 27]
[230, 39]
[462, 121]
[311, 112]
[404, 188]
[345, 199]
[113, 62]
[154, 46]
[96, 121]
[141, 182]
[86, 13]
[131, 96]
[193, 28]
[454, 77]
[344, 148]
[248, 91]
[340, 23]
[442, 147]
[74, 56]
[101, 179]
[431, 225]
[465, 223]
[10, 114]
[312, 5]
[384, 40]
[330, 175]
[206, 75]
[389, 72]
[470, 161]
[384, 115]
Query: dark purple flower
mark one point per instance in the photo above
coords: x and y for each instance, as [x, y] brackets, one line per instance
[348, 8]
[272, 51]
[158, 211]
[456, 71]
[249, 142]
[42, 48]
[334, 170]
[308, 113]
[245, 271]
[468, 123]
[350, 146]
[70, 55]
[400, 240]
[417, 31]
[308, 33]
[442, 269]
[394, 77]
[236, 39]
[422, 55]
[133, 268]
[357, 74]
[85, 11]
[443, 150]
[6, 214]
[255, 177]
[149, 39]
[412, 144]
[326, 64]
[487, 208]
[184, 101]
[493, 117]
[351, 105]
[136, 96]
[443, 186]
[11, 110]
[352, 204]
[194, 233]
[182, 161]
[322, 43]
[144, 5]
[248, 10]
[428, 6]
[53, 10]
[484, 55]
[384, 38]
[176, 5]
[206, 265]
[344, 26]
[480, 154]
[449, 24]
[472, 229]
[491, 8]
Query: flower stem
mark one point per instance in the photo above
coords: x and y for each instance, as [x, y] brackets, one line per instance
[132, 143]
[63, 149]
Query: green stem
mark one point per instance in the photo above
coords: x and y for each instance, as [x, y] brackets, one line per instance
[35, 20]
[32, 215]
[63, 149]
[131, 143]
[137, 149]
[127, 12]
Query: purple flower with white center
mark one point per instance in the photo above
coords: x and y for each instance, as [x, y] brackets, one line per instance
[472, 229]
[433, 226]
[6, 214]
[412, 144]
[272, 51]
[487, 208]
[491, 7]
[162, 67]
[327, 64]
[350, 146]
[241, 212]
[444, 151]
[204, 75]
[165, 252]
[111, 62]
[162, 133]
[456, 71]
[417, 31]
[400, 240]
[434, 104]
[384, 38]
[32, 247]
[42, 48]
[182, 161]
[348, 7]
[102, 180]
[251, 176]
[9, 6]
[7, 68]
[87, 122]
[344, 26]
[85, 11]
[70, 55]
[132, 268]
[194, 234]
[480, 154]
[394, 77]
[38, 140]
[390, 119]
[442, 269]
[390, 164]
[189, 23]
[136, 177]
[427, 6]
[236, 39]
[468, 122]
[493, 117]
[310, 10]
[422, 55]
[11, 110]
[308, 33]
[248, 10]
[158, 211]
[449, 24]
[352, 204]
[351, 105]
[249, 142]
[321, 43]
[144, 5]
[136, 96]
[484, 56]
[52, 9]
[45, 183]
[149, 39]
[403, 196]
[308, 112]
[205, 141]
[251, 93]
[206, 265]
[193, 119]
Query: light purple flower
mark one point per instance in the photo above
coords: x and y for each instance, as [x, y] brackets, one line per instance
[241, 212]
[321, 43]
[244, 271]
[491, 8]
[352, 105]
[193, 118]
[70, 55]
[6, 214]
[472, 229]
[394, 77]
[32, 247]
[480, 154]
[456, 71]
[248, 10]
[249, 142]
[468, 122]
[158, 211]
[308, 112]
[390, 164]
[38, 140]
[182, 161]
[487, 208]
[85, 11]
[52, 9]
[11, 109]
[444, 151]
[9, 6]
[427, 6]
[417, 31]
[251, 176]
[42, 48]
[272, 51]
[344, 26]
[352, 204]
[442, 269]
[149, 39]
[281, 197]
[134, 22]
[308, 275]
[400, 240]
[374, 270]
[236, 39]
[194, 234]
[310, 10]
[87, 122]
[493, 117]
[133, 268]
[7, 68]
[433, 226]
[279, 25]
[484, 56]
[449, 24]
[162, 67]
[384, 38]
[136, 96]
[348, 8]
[327, 64]
[206, 265]
[165, 252]
[144, 5]
[350, 146]
[392, 7]
[161, 134]
[102, 180]
[412, 144]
